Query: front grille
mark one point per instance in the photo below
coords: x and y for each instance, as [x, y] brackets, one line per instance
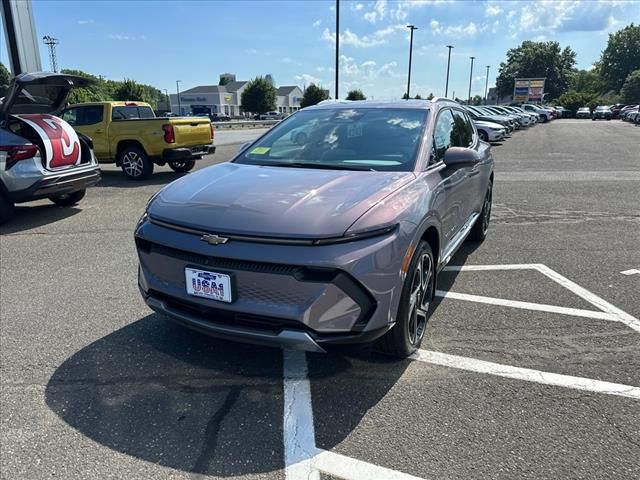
[216, 315]
[224, 263]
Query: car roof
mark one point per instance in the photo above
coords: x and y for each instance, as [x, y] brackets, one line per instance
[411, 104]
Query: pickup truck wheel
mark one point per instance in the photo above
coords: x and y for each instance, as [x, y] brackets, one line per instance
[182, 167]
[135, 164]
[413, 313]
[69, 199]
[6, 209]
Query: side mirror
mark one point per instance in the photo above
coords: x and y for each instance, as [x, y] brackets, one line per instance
[460, 157]
[244, 146]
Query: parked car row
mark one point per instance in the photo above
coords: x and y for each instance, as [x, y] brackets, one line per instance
[496, 122]
[631, 113]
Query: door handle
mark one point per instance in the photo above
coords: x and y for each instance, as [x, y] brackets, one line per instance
[98, 131]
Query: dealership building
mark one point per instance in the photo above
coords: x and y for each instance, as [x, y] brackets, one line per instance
[225, 99]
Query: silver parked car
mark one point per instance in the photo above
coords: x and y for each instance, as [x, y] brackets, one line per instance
[335, 241]
[41, 155]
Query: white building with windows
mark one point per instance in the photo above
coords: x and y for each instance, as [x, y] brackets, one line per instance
[226, 99]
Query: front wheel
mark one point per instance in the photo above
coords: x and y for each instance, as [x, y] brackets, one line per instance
[413, 313]
[481, 227]
[69, 199]
[182, 167]
[483, 135]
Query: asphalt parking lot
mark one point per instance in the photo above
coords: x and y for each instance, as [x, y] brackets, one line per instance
[530, 367]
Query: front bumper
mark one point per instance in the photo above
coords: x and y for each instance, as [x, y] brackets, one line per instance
[295, 296]
[190, 153]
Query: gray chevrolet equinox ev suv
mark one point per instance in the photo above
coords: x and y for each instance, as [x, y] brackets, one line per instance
[338, 239]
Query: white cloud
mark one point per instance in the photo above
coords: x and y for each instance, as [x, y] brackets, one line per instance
[350, 38]
[358, 6]
[286, 60]
[435, 26]
[368, 63]
[308, 78]
[492, 9]
[316, 23]
[251, 51]
[118, 36]
[469, 30]
[379, 11]
[86, 22]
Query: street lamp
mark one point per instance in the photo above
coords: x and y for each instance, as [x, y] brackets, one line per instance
[486, 85]
[412, 28]
[166, 93]
[446, 88]
[470, 78]
[178, 95]
[337, 43]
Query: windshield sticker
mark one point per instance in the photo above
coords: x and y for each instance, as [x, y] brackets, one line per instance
[260, 150]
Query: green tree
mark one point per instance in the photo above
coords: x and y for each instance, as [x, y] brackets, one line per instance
[477, 100]
[405, 96]
[431, 96]
[356, 95]
[620, 57]
[259, 96]
[631, 88]
[224, 80]
[130, 90]
[586, 81]
[5, 78]
[313, 95]
[537, 60]
[573, 100]
[418, 97]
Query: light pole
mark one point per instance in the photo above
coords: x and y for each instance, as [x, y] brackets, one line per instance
[486, 85]
[446, 88]
[178, 95]
[166, 93]
[412, 28]
[337, 43]
[470, 78]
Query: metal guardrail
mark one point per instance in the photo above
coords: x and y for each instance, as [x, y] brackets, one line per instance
[239, 124]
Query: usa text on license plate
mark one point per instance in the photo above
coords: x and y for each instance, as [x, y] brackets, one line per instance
[211, 285]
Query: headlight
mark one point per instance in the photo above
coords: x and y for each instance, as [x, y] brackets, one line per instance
[359, 235]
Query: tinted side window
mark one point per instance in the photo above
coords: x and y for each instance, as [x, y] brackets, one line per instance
[89, 115]
[443, 136]
[463, 131]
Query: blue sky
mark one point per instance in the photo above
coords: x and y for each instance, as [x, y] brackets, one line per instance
[158, 42]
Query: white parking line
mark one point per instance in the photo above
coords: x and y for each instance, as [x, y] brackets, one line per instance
[633, 271]
[610, 312]
[528, 306]
[526, 374]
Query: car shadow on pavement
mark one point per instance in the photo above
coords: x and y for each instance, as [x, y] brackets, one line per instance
[117, 179]
[28, 217]
[166, 395]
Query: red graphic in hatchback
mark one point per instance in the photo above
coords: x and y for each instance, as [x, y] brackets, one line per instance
[61, 142]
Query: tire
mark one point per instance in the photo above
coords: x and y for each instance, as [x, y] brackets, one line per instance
[6, 209]
[69, 199]
[135, 164]
[481, 227]
[483, 135]
[413, 315]
[182, 167]
[301, 138]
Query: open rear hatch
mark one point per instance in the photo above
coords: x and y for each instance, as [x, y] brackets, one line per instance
[33, 99]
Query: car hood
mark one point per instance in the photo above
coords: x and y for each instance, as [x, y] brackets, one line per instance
[273, 201]
[483, 123]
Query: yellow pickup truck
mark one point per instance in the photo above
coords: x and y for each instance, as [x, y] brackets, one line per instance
[129, 135]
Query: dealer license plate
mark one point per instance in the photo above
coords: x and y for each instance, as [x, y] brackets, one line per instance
[211, 285]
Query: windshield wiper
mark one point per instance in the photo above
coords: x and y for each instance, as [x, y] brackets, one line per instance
[321, 166]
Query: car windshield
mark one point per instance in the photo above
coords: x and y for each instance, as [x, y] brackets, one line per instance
[384, 139]
[602, 109]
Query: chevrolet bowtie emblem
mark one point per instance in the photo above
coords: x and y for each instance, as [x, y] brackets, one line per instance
[214, 239]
